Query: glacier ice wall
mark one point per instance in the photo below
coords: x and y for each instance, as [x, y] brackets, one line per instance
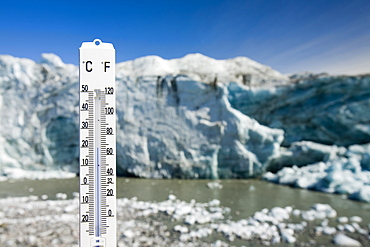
[169, 125]
[328, 109]
[175, 126]
[38, 107]
[194, 117]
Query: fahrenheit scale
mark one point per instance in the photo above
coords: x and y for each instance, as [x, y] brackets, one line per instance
[97, 145]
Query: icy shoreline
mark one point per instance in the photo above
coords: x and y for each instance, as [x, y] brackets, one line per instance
[34, 221]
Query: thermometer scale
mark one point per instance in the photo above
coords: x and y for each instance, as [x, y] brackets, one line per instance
[97, 145]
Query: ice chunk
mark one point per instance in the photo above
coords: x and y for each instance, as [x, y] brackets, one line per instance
[329, 230]
[129, 233]
[296, 212]
[343, 219]
[349, 228]
[356, 219]
[363, 194]
[183, 210]
[338, 175]
[343, 240]
[214, 202]
[181, 229]
[190, 220]
[269, 176]
[171, 197]
[326, 209]
[287, 236]
[279, 213]
[214, 185]
[62, 196]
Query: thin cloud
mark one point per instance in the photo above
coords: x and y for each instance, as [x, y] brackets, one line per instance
[295, 53]
[350, 57]
[318, 45]
[336, 53]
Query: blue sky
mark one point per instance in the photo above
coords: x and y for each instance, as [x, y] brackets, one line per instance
[290, 36]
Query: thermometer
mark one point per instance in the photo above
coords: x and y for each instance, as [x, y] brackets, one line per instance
[97, 145]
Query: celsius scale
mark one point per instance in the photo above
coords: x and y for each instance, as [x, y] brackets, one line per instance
[97, 145]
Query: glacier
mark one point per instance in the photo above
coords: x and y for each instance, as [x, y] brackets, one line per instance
[194, 117]
[172, 122]
[324, 109]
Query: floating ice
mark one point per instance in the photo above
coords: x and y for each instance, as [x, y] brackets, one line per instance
[287, 236]
[22, 216]
[279, 213]
[343, 219]
[129, 234]
[363, 194]
[214, 185]
[325, 209]
[339, 174]
[327, 230]
[343, 240]
[62, 196]
[356, 219]
[181, 229]
[171, 197]
[349, 228]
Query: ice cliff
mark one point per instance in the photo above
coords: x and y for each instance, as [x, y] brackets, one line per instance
[177, 127]
[174, 117]
[323, 109]
[192, 117]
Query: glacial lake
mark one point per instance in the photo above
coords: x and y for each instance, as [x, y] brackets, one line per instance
[243, 197]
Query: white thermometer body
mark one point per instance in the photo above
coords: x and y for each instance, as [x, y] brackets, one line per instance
[97, 145]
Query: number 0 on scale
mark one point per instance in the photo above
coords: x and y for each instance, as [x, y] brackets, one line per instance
[97, 145]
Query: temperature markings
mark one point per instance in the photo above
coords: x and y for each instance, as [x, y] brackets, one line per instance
[97, 145]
